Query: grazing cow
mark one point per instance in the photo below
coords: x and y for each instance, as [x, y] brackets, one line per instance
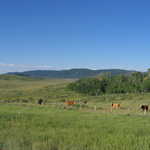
[40, 101]
[115, 106]
[144, 108]
[70, 103]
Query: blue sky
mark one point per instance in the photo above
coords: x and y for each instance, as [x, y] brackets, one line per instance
[62, 34]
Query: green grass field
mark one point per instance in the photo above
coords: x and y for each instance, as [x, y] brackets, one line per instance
[31, 90]
[54, 90]
[31, 127]
[28, 126]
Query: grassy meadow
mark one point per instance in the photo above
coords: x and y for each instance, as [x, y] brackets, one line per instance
[24, 125]
[31, 90]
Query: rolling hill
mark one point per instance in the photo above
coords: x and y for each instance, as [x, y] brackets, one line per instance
[72, 73]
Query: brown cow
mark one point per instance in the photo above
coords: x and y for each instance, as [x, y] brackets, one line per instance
[70, 103]
[115, 106]
[144, 108]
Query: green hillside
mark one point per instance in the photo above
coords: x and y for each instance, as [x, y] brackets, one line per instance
[20, 89]
[16, 77]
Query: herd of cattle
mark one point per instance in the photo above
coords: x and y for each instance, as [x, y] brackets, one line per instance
[144, 108]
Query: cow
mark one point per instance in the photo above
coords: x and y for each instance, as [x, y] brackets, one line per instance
[115, 106]
[70, 103]
[40, 101]
[144, 108]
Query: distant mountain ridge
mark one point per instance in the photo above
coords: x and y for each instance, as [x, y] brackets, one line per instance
[71, 73]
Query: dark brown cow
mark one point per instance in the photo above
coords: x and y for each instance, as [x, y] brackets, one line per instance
[144, 108]
[40, 101]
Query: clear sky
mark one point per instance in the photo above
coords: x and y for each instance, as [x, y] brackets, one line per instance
[62, 34]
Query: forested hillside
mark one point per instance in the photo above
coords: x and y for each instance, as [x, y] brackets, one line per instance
[136, 82]
[72, 73]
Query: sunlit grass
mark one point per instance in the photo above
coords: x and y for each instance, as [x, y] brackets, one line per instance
[28, 126]
[42, 128]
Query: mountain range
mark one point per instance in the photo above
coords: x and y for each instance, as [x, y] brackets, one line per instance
[70, 73]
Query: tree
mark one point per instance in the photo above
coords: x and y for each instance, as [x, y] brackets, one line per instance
[146, 85]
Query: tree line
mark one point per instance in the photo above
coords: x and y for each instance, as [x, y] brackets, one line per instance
[136, 82]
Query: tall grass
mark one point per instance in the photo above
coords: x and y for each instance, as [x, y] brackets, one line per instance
[44, 128]
[33, 127]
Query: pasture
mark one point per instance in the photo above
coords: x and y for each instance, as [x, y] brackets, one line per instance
[54, 90]
[33, 127]
[29, 126]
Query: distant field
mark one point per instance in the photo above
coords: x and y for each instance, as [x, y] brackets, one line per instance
[32, 127]
[31, 90]
[55, 90]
